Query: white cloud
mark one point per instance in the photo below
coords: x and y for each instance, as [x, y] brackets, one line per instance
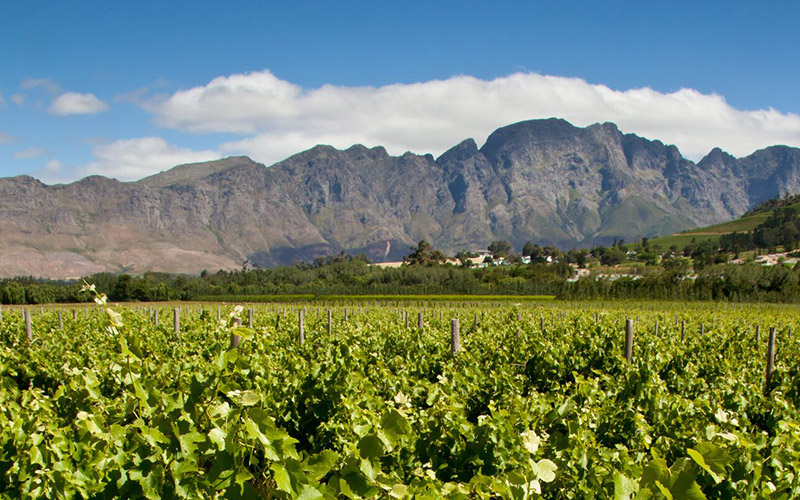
[41, 83]
[54, 172]
[73, 103]
[6, 138]
[279, 118]
[53, 166]
[131, 159]
[30, 153]
[18, 99]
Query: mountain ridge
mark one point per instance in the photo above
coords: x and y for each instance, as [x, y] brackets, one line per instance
[541, 180]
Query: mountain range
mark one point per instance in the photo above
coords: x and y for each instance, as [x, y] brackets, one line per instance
[546, 181]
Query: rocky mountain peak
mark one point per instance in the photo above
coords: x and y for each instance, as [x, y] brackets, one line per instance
[541, 180]
[460, 152]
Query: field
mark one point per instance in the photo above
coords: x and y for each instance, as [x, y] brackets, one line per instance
[539, 401]
[711, 233]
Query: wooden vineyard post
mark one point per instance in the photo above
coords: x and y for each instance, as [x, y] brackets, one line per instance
[770, 357]
[219, 313]
[758, 333]
[345, 314]
[176, 320]
[330, 322]
[683, 329]
[28, 329]
[455, 337]
[300, 325]
[250, 318]
[74, 315]
[235, 339]
[702, 329]
[541, 323]
[656, 331]
[420, 320]
[155, 318]
[628, 340]
[476, 321]
[60, 321]
[1, 313]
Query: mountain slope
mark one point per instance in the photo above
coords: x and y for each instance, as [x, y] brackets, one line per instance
[541, 180]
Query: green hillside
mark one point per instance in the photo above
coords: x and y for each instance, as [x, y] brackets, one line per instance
[746, 223]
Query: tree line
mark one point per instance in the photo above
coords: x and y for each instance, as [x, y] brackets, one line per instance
[674, 278]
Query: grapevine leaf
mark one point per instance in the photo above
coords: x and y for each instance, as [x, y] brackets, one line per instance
[249, 398]
[395, 425]
[683, 484]
[546, 470]
[531, 441]
[699, 460]
[655, 471]
[370, 446]
[217, 436]
[310, 493]
[317, 466]
[243, 332]
[282, 478]
[624, 488]
[664, 490]
[399, 491]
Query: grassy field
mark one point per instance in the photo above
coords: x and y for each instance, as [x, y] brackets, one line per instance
[710, 233]
[371, 298]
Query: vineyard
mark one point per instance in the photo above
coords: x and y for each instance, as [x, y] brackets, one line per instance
[400, 400]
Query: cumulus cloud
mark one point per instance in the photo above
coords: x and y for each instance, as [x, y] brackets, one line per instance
[30, 153]
[73, 103]
[278, 118]
[131, 159]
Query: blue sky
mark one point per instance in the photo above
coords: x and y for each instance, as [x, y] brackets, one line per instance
[126, 89]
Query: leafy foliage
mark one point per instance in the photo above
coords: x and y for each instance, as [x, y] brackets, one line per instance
[539, 403]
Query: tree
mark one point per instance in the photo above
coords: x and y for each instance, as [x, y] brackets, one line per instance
[528, 248]
[578, 257]
[424, 254]
[678, 265]
[121, 291]
[12, 293]
[609, 256]
[500, 248]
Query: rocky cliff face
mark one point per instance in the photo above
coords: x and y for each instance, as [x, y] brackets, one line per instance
[543, 180]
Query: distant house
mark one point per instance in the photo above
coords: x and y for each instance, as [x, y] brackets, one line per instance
[580, 272]
[480, 258]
